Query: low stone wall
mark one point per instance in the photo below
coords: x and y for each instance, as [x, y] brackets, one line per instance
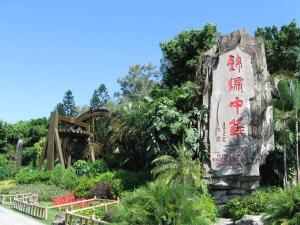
[225, 188]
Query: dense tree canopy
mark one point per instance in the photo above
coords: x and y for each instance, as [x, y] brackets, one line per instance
[278, 45]
[181, 55]
[139, 81]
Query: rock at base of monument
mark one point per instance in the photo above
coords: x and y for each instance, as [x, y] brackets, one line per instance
[228, 187]
[250, 220]
[223, 221]
[59, 219]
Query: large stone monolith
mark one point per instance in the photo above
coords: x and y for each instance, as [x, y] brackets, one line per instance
[238, 129]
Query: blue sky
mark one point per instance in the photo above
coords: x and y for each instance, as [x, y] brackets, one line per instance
[49, 46]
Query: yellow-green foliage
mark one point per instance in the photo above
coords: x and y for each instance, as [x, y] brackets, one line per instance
[6, 184]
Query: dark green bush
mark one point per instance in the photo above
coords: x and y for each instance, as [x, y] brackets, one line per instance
[99, 166]
[28, 175]
[110, 177]
[102, 190]
[83, 187]
[253, 204]
[131, 180]
[85, 184]
[284, 208]
[165, 204]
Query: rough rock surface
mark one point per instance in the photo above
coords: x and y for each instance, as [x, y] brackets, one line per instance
[250, 220]
[59, 219]
[223, 221]
[238, 130]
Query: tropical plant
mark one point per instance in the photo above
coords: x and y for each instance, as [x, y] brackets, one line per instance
[175, 116]
[81, 167]
[286, 102]
[284, 208]
[163, 204]
[182, 170]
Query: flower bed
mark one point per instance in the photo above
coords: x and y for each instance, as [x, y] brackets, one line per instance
[69, 198]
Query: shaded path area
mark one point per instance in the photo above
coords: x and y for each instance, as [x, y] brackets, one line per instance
[9, 217]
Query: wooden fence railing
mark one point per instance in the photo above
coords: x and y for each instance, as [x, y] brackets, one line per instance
[9, 199]
[38, 211]
[72, 218]
[31, 209]
[78, 204]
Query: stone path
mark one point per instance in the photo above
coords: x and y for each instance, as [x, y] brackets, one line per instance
[9, 217]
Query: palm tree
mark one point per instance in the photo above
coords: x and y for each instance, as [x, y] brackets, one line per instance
[287, 105]
[182, 169]
[295, 94]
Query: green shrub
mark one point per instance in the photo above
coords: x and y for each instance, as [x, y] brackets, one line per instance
[81, 167]
[5, 172]
[165, 204]
[86, 184]
[7, 168]
[46, 191]
[69, 179]
[253, 204]
[110, 177]
[57, 174]
[284, 208]
[83, 187]
[28, 175]
[99, 166]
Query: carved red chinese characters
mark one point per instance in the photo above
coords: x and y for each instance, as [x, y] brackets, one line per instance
[238, 103]
[235, 84]
[237, 127]
[237, 63]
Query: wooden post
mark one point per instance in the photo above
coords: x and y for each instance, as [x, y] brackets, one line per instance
[50, 146]
[46, 212]
[66, 218]
[69, 160]
[64, 148]
[58, 148]
[92, 152]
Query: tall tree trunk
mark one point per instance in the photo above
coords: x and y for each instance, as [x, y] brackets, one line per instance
[284, 159]
[297, 149]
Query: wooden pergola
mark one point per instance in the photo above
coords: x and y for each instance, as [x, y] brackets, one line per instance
[58, 140]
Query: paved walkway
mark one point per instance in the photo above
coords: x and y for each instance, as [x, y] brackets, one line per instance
[9, 217]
